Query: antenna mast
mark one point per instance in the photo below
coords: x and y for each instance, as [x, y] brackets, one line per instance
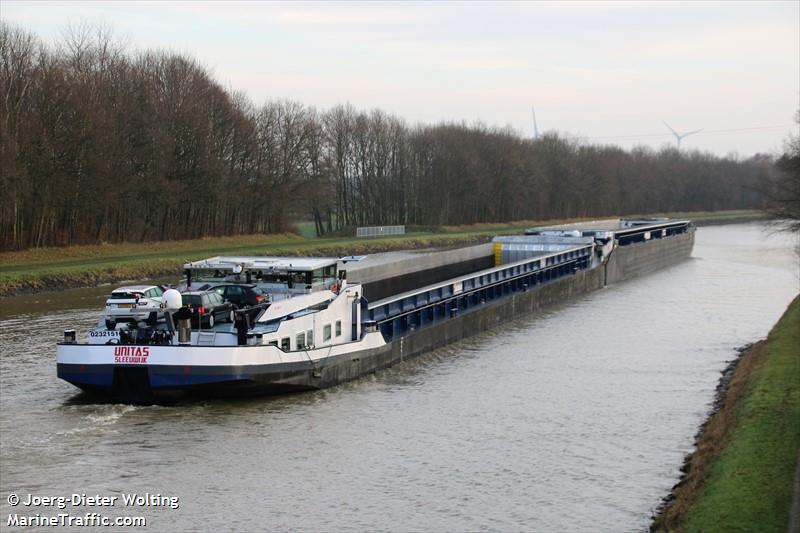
[535, 126]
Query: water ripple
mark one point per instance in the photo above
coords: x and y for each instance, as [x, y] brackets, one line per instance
[576, 419]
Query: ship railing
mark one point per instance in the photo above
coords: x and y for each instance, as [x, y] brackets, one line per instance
[636, 233]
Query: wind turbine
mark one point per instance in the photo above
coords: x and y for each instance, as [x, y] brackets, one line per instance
[535, 127]
[679, 136]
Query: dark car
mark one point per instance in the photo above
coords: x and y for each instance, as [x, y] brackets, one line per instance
[239, 294]
[207, 308]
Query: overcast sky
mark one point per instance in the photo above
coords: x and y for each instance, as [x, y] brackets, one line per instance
[605, 71]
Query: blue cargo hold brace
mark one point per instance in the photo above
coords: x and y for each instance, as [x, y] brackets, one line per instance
[403, 313]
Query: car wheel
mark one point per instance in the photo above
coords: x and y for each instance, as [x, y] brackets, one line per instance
[211, 320]
[111, 323]
[232, 316]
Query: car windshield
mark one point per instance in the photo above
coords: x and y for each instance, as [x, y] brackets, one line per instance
[191, 299]
[257, 290]
[125, 295]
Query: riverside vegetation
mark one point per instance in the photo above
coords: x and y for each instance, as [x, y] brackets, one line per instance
[740, 476]
[102, 144]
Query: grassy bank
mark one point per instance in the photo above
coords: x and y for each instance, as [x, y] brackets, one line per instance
[709, 218]
[84, 266]
[740, 476]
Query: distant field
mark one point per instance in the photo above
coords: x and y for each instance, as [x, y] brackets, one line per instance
[82, 266]
[716, 216]
[307, 229]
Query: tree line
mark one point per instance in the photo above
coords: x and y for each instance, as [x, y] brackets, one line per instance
[99, 144]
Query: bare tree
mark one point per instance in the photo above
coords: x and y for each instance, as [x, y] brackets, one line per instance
[99, 144]
[786, 192]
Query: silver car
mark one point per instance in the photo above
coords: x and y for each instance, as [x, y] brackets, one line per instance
[133, 304]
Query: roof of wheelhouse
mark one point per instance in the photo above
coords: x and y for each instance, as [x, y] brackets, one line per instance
[295, 264]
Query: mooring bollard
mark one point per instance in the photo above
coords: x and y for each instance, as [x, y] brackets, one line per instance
[242, 325]
[184, 331]
[184, 318]
[69, 336]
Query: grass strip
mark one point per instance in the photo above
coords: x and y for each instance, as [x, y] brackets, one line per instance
[125, 263]
[84, 266]
[741, 474]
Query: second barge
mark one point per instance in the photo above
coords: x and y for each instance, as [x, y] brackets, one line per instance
[331, 320]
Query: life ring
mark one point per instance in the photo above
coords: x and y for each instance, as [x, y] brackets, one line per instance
[335, 288]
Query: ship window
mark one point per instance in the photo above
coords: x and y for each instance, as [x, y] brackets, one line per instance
[310, 337]
[326, 333]
[273, 343]
[285, 344]
[338, 328]
[301, 341]
[300, 278]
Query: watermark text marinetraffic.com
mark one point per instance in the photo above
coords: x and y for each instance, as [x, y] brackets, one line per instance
[84, 510]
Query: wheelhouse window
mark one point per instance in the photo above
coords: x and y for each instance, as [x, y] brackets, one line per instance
[285, 344]
[273, 278]
[299, 280]
[326, 333]
[338, 328]
[310, 338]
[300, 341]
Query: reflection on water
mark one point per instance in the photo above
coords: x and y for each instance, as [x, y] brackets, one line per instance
[577, 419]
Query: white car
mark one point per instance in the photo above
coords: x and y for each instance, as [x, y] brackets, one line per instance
[134, 304]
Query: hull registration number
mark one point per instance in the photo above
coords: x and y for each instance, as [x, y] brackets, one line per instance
[102, 336]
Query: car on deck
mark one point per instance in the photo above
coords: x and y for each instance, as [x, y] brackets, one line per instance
[239, 294]
[208, 308]
[133, 304]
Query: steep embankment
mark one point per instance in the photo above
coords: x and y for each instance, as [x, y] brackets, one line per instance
[740, 476]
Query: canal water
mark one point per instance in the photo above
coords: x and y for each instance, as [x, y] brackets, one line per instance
[577, 419]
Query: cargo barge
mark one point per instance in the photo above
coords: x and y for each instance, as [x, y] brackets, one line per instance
[330, 320]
